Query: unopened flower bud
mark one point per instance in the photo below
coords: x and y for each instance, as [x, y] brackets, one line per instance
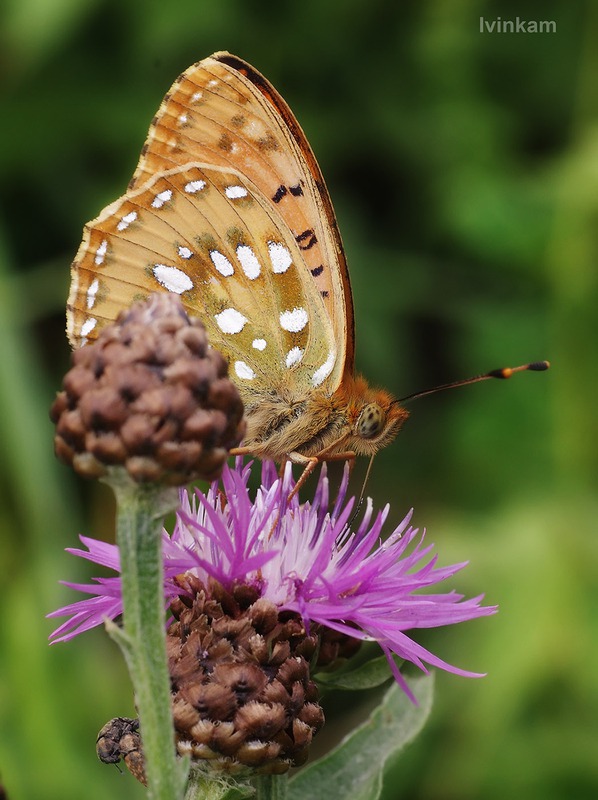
[243, 698]
[149, 395]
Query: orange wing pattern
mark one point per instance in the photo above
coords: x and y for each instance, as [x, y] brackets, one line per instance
[222, 113]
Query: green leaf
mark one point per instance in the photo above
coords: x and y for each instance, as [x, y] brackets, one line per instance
[367, 676]
[354, 768]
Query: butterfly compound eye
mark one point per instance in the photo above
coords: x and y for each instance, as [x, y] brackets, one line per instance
[370, 422]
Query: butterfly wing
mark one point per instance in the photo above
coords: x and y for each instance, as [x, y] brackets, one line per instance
[208, 234]
[223, 112]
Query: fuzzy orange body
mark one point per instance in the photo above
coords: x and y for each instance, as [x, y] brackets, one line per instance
[285, 423]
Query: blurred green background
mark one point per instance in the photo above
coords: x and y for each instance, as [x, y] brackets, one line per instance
[464, 171]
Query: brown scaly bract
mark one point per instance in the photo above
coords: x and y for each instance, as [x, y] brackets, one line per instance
[243, 698]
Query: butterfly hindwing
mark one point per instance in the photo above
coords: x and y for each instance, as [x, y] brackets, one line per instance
[209, 235]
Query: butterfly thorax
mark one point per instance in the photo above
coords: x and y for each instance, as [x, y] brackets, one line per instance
[355, 418]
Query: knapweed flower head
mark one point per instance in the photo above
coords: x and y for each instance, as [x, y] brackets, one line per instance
[303, 558]
[264, 591]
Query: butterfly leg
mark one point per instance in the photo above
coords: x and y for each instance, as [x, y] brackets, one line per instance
[311, 462]
[348, 455]
[241, 451]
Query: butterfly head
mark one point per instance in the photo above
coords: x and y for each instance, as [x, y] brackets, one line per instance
[375, 418]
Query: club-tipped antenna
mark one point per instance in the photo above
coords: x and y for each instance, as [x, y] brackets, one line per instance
[502, 374]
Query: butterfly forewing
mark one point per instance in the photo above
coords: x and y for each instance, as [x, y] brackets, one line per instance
[222, 112]
[209, 235]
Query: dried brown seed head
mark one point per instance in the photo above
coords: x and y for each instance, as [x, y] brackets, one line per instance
[243, 698]
[151, 396]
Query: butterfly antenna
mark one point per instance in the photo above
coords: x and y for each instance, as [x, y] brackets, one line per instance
[503, 374]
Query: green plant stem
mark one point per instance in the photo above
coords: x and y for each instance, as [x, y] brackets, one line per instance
[271, 787]
[141, 509]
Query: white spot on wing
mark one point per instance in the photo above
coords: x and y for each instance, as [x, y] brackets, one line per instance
[294, 356]
[101, 252]
[126, 221]
[88, 326]
[221, 263]
[194, 186]
[183, 119]
[255, 128]
[243, 370]
[161, 198]
[235, 192]
[279, 256]
[196, 96]
[293, 321]
[173, 279]
[249, 262]
[184, 252]
[259, 344]
[92, 292]
[324, 371]
[230, 320]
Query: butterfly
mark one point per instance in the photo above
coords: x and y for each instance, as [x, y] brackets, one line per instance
[228, 209]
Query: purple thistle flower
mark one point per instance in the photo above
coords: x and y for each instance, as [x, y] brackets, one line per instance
[302, 558]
